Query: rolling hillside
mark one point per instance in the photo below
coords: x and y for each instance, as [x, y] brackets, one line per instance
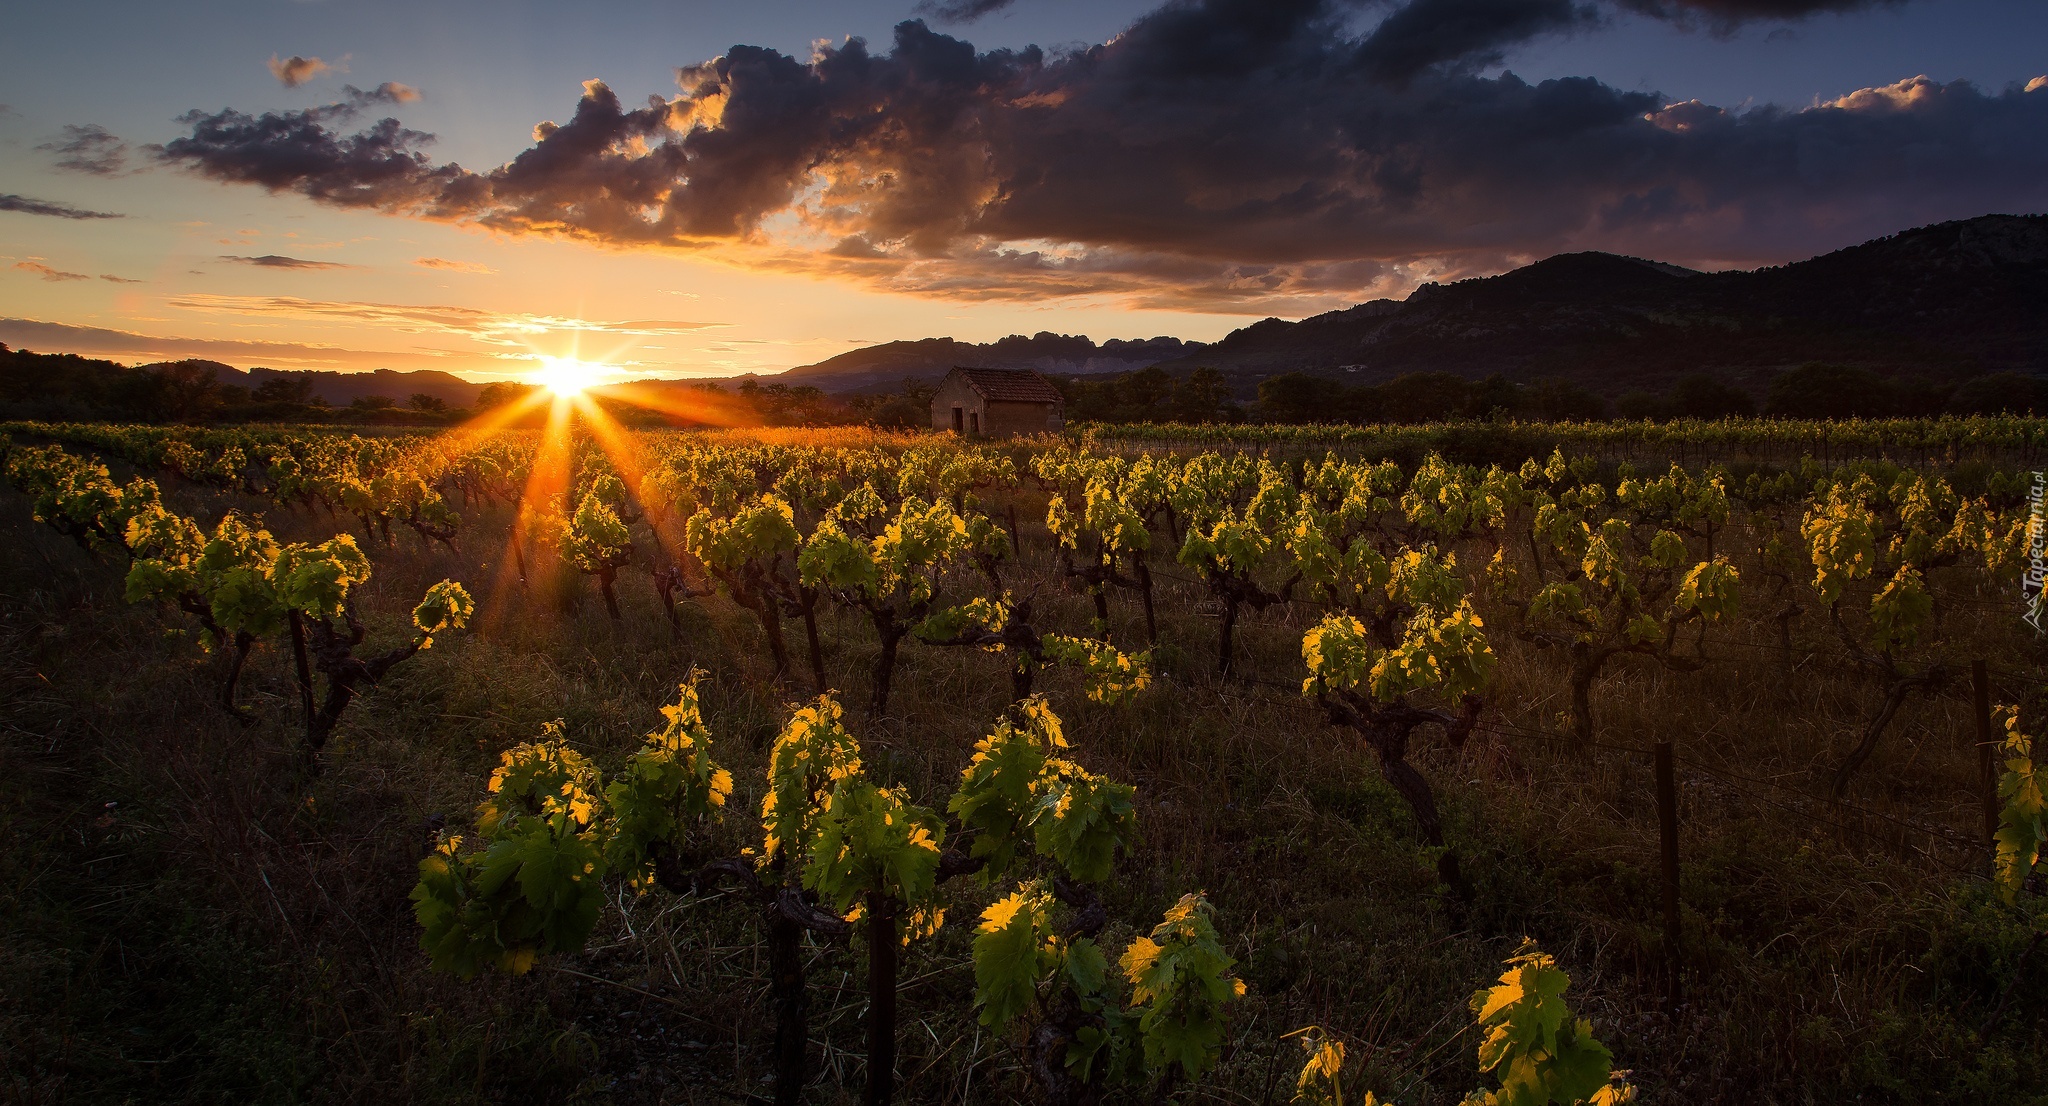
[1944, 300]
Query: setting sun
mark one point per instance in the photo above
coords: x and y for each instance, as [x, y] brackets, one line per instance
[566, 376]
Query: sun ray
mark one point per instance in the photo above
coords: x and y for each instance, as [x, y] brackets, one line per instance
[699, 406]
[626, 456]
[547, 481]
[487, 423]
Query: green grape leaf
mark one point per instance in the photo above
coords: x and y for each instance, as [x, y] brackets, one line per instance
[1180, 982]
[1083, 820]
[995, 799]
[2023, 811]
[1321, 1082]
[669, 781]
[869, 839]
[813, 753]
[1901, 609]
[544, 779]
[1012, 953]
[1713, 588]
[1531, 1043]
[1086, 967]
[1112, 676]
[317, 579]
[446, 606]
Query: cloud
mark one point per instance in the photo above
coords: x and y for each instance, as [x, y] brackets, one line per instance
[961, 11]
[295, 70]
[379, 166]
[134, 347]
[279, 261]
[491, 327]
[112, 279]
[1217, 153]
[47, 273]
[453, 266]
[1470, 33]
[1728, 13]
[390, 92]
[29, 206]
[88, 149]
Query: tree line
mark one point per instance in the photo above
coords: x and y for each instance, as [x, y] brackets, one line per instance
[68, 387]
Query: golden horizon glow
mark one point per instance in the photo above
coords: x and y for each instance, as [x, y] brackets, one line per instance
[568, 377]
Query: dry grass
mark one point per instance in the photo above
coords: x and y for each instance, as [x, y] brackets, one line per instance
[224, 932]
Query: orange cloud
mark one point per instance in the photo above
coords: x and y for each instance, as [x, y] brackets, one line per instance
[453, 266]
[295, 70]
[47, 273]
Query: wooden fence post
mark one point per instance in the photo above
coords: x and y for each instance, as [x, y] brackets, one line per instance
[1667, 835]
[1987, 752]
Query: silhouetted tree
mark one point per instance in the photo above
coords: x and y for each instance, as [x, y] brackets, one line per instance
[1423, 397]
[185, 390]
[502, 392]
[1299, 397]
[1700, 396]
[1561, 399]
[2000, 394]
[1818, 390]
[1202, 397]
[288, 387]
[1494, 394]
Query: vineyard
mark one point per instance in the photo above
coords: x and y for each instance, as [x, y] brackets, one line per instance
[1491, 763]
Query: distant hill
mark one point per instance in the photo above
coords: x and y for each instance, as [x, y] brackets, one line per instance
[887, 365]
[342, 389]
[1945, 300]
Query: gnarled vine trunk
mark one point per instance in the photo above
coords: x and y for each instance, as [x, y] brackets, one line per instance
[1386, 728]
[1144, 572]
[891, 632]
[882, 946]
[1894, 698]
[792, 1006]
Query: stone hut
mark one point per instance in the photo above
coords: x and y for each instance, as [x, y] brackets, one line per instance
[997, 403]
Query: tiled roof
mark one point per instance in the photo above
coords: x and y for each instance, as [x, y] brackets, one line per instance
[1011, 385]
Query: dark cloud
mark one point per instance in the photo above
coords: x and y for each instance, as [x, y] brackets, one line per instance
[47, 273]
[1727, 13]
[1472, 33]
[88, 149]
[112, 279]
[961, 11]
[279, 261]
[29, 206]
[379, 166]
[1219, 150]
[295, 70]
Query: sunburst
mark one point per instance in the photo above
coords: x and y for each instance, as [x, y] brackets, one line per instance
[568, 377]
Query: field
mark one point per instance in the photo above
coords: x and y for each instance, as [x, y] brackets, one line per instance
[1447, 674]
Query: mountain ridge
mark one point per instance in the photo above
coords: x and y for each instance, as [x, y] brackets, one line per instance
[1948, 299]
[888, 364]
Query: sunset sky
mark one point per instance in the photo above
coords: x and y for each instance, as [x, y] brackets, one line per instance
[685, 188]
